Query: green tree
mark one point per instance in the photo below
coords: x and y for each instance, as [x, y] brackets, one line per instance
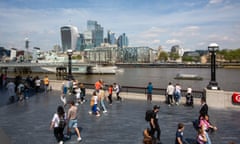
[163, 56]
[77, 57]
[174, 56]
[230, 55]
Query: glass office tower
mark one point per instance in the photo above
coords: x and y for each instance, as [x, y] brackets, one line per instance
[69, 37]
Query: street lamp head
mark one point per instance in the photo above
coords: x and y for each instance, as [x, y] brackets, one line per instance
[213, 47]
[69, 52]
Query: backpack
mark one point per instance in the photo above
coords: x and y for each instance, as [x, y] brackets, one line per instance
[62, 122]
[148, 115]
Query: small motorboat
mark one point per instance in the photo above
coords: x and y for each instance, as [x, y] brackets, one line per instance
[188, 77]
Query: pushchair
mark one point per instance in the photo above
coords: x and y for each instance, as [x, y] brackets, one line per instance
[189, 99]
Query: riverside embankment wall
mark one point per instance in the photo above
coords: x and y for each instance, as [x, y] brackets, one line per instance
[215, 98]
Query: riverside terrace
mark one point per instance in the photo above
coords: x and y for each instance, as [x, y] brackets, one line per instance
[28, 122]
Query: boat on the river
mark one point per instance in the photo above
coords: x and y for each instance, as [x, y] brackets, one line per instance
[87, 69]
[188, 77]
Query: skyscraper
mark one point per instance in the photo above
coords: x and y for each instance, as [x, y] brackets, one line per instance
[97, 32]
[69, 37]
[111, 38]
[122, 41]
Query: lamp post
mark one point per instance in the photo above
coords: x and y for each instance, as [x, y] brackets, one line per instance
[212, 48]
[69, 53]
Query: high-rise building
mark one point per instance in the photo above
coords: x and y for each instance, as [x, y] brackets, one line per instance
[97, 32]
[111, 38]
[177, 49]
[69, 37]
[81, 43]
[122, 41]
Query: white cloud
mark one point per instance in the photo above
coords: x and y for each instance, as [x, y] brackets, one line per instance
[198, 24]
[215, 1]
[173, 41]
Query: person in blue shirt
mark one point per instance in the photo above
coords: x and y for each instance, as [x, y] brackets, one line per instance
[179, 135]
[149, 92]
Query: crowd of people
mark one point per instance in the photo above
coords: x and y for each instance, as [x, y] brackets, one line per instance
[19, 88]
[104, 93]
[78, 91]
[202, 125]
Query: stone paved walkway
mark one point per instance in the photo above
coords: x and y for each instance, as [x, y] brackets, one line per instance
[28, 122]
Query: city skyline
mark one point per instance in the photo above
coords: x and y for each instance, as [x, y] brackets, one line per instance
[192, 24]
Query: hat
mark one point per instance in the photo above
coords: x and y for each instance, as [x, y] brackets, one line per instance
[156, 107]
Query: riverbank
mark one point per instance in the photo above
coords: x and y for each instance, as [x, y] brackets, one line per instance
[176, 65]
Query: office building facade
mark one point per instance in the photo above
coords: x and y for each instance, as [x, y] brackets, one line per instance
[96, 32]
[69, 37]
[122, 41]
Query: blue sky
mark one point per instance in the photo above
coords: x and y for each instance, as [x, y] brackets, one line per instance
[192, 24]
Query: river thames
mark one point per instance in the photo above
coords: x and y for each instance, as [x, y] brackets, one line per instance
[228, 79]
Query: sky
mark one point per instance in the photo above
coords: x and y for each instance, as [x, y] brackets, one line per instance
[191, 24]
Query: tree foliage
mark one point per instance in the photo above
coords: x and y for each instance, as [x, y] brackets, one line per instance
[163, 56]
[174, 56]
[230, 55]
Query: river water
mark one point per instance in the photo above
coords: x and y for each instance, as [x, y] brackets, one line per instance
[228, 79]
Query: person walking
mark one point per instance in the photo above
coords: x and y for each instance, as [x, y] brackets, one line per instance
[110, 90]
[58, 123]
[154, 123]
[37, 84]
[201, 137]
[11, 88]
[72, 121]
[149, 92]
[46, 83]
[177, 94]
[98, 84]
[94, 104]
[83, 93]
[117, 89]
[101, 96]
[179, 135]
[77, 90]
[20, 91]
[170, 92]
[206, 126]
[204, 108]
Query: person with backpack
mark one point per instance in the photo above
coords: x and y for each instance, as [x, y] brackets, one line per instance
[58, 123]
[153, 122]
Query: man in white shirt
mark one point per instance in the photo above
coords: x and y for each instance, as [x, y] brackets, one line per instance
[170, 91]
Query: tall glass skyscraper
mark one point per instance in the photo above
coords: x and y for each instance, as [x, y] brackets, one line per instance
[69, 37]
[122, 41]
[97, 32]
[111, 38]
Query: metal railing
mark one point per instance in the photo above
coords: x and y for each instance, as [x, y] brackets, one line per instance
[143, 90]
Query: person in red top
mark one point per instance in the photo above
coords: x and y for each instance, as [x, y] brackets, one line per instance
[98, 85]
[110, 90]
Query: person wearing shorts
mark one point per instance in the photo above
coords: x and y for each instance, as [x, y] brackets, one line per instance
[72, 120]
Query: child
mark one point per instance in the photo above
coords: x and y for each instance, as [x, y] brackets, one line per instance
[147, 138]
[201, 138]
[93, 104]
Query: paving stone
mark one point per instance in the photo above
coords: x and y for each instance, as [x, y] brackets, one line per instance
[28, 122]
